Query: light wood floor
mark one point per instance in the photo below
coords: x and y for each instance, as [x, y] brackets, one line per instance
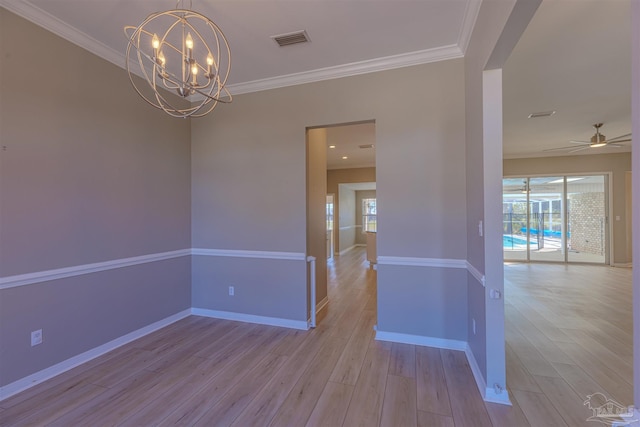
[569, 335]
[205, 372]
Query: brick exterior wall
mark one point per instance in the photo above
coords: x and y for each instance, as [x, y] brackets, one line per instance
[587, 222]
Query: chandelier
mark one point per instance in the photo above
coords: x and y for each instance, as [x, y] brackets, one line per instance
[182, 52]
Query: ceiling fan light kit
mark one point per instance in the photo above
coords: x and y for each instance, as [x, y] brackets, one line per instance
[183, 52]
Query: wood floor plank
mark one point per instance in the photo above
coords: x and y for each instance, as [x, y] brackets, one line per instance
[518, 378]
[505, 415]
[114, 404]
[366, 403]
[431, 383]
[568, 404]
[332, 405]
[54, 407]
[264, 406]
[427, 419]
[348, 367]
[579, 380]
[238, 397]
[299, 404]
[403, 360]
[221, 373]
[609, 380]
[399, 407]
[467, 405]
[539, 411]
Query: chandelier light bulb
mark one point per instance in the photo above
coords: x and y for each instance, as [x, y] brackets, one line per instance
[163, 51]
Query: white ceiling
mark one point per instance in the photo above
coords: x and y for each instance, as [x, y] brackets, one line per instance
[573, 58]
[347, 36]
[347, 140]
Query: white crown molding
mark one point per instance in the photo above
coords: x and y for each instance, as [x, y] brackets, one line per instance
[251, 318]
[422, 262]
[348, 70]
[468, 22]
[295, 256]
[57, 369]
[49, 22]
[476, 273]
[79, 38]
[61, 273]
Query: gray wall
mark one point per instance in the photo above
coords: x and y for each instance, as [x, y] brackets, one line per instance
[258, 143]
[347, 217]
[90, 173]
[361, 236]
[618, 164]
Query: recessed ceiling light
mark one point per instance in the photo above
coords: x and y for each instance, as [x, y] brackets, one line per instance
[541, 114]
[332, 146]
[344, 157]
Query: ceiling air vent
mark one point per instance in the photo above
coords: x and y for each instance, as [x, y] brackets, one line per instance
[291, 38]
[366, 146]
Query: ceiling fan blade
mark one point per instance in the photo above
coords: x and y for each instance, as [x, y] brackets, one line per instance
[620, 137]
[617, 141]
[558, 149]
[580, 142]
[578, 149]
[613, 144]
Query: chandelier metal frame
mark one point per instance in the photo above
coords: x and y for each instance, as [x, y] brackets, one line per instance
[172, 58]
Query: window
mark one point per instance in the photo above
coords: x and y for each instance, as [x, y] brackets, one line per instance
[330, 216]
[369, 215]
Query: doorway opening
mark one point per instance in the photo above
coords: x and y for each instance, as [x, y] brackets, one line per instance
[341, 208]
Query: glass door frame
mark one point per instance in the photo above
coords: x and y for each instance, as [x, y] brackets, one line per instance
[608, 205]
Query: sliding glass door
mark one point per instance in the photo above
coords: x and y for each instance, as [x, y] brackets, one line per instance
[546, 206]
[556, 219]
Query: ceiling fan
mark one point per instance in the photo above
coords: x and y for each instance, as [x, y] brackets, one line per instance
[597, 140]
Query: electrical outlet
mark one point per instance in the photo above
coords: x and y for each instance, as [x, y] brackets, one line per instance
[232, 291]
[473, 325]
[36, 337]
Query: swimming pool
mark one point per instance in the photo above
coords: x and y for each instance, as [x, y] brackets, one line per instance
[513, 242]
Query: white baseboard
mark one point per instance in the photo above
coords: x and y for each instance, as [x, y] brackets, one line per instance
[622, 264]
[250, 318]
[57, 369]
[421, 340]
[489, 394]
